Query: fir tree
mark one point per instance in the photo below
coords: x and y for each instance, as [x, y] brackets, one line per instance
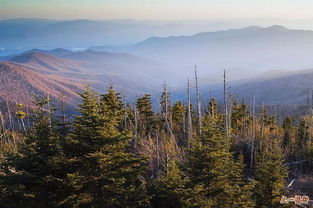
[213, 108]
[111, 107]
[212, 171]
[290, 134]
[179, 122]
[169, 189]
[270, 178]
[109, 174]
[35, 176]
[146, 114]
[239, 115]
[178, 113]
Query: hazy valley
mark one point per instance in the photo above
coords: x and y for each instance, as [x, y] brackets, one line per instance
[276, 58]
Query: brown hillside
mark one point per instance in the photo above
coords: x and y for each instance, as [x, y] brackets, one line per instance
[18, 83]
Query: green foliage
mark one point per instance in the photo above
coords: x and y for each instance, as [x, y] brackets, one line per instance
[34, 176]
[213, 172]
[108, 172]
[95, 160]
[213, 108]
[169, 190]
[146, 114]
[290, 134]
[270, 178]
[239, 116]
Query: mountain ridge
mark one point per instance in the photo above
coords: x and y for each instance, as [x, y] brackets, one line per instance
[71, 71]
[260, 49]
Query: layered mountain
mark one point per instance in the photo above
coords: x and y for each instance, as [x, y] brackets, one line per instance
[19, 83]
[248, 50]
[281, 87]
[293, 87]
[66, 72]
[23, 34]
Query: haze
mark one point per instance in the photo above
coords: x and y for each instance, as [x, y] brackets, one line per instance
[155, 9]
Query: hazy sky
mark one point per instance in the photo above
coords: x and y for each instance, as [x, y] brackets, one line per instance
[155, 9]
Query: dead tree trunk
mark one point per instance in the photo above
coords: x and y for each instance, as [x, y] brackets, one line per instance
[198, 103]
[253, 136]
[136, 123]
[189, 121]
[225, 106]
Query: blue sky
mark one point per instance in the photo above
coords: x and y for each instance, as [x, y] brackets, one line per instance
[156, 9]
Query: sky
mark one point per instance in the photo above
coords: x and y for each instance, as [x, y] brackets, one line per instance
[155, 9]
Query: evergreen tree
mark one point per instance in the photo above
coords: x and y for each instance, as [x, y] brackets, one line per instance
[35, 176]
[179, 122]
[290, 134]
[212, 170]
[213, 108]
[169, 189]
[109, 173]
[146, 114]
[241, 188]
[239, 115]
[111, 106]
[303, 133]
[270, 178]
[178, 114]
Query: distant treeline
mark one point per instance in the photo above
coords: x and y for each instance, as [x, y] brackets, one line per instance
[117, 155]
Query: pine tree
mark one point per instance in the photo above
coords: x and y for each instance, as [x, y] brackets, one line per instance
[146, 114]
[213, 108]
[109, 174]
[169, 189]
[178, 113]
[239, 115]
[270, 177]
[241, 188]
[179, 122]
[290, 134]
[212, 170]
[86, 136]
[303, 133]
[35, 176]
[111, 106]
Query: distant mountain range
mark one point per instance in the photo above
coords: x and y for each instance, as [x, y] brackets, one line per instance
[19, 83]
[245, 53]
[17, 35]
[57, 72]
[293, 87]
[271, 88]
[252, 49]
[64, 73]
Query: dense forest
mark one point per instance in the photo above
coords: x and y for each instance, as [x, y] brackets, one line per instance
[115, 154]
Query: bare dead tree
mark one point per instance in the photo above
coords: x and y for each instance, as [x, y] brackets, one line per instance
[63, 112]
[157, 151]
[27, 112]
[308, 97]
[229, 108]
[225, 106]
[125, 106]
[135, 122]
[166, 110]
[49, 109]
[9, 115]
[189, 121]
[1, 121]
[198, 102]
[253, 135]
